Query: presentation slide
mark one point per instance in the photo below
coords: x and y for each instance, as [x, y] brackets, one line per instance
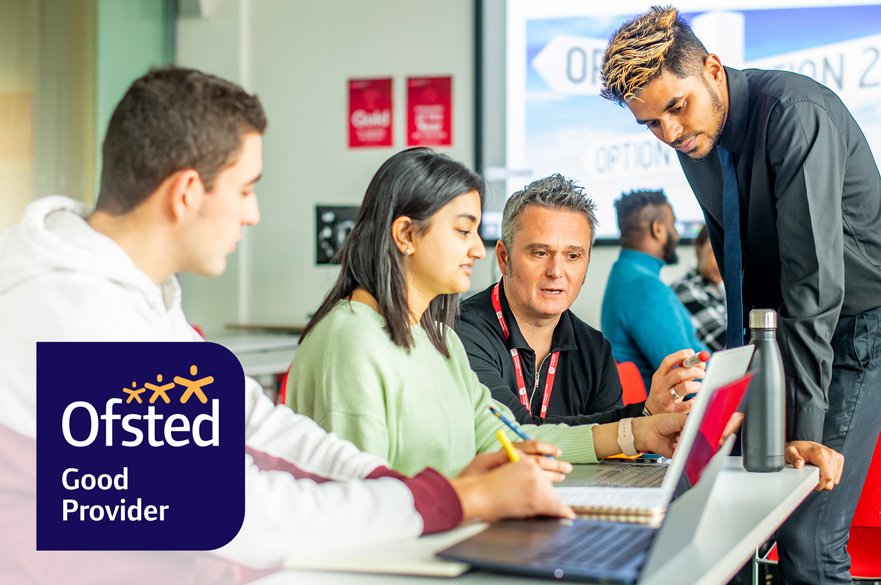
[555, 121]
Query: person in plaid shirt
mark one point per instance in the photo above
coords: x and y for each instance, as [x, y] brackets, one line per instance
[703, 294]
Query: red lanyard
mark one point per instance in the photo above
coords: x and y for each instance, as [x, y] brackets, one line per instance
[518, 368]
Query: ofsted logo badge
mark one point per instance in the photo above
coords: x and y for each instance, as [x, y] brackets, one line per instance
[140, 446]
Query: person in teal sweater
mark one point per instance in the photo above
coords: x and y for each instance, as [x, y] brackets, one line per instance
[379, 363]
[642, 317]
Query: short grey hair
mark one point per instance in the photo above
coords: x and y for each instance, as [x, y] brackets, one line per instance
[556, 193]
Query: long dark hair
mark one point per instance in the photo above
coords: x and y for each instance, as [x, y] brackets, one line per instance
[415, 183]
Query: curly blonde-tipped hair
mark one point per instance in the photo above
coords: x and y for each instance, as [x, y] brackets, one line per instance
[646, 46]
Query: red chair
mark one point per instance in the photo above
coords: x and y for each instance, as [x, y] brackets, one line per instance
[281, 381]
[865, 530]
[631, 382]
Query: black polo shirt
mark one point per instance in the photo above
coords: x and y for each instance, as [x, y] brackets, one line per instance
[586, 389]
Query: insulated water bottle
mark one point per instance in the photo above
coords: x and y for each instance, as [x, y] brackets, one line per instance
[764, 425]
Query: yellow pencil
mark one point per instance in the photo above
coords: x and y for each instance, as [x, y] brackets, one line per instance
[507, 446]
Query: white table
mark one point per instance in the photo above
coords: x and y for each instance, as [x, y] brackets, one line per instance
[243, 343]
[262, 355]
[744, 510]
[266, 363]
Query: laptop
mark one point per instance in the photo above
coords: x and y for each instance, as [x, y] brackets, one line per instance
[702, 431]
[604, 490]
[593, 551]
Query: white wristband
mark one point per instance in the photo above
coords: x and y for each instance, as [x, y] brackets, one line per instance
[625, 437]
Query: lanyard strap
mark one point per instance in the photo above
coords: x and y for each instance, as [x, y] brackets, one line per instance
[518, 368]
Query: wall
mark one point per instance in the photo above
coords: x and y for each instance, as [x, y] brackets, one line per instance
[19, 47]
[64, 65]
[298, 56]
[47, 72]
[132, 36]
[212, 41]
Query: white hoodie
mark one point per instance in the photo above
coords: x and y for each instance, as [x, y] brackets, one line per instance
[62, 281]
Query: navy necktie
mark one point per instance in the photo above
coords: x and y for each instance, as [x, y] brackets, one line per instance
[731, 255]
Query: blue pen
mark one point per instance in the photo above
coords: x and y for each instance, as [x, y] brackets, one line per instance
[510, 425]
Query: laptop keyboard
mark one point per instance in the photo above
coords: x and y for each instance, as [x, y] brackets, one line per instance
[597, 545]
[631, 476]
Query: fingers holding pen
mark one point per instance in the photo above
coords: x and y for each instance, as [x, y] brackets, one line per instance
[512, 490]
[555, 469]
[544, 455]
[674, 380]
[539, 448]
[516, 489]
[681, 396]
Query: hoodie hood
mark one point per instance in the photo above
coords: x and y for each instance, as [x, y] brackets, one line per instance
[54, 236]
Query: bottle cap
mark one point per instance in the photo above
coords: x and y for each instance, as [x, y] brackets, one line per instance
[763, 319]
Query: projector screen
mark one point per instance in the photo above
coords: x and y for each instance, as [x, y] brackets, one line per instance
[539, 82]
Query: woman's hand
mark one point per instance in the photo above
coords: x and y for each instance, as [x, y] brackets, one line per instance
[507, 490]
[658, 434]
[543, 453]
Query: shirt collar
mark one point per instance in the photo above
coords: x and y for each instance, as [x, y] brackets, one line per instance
[734, 133]
[647, 261]
[562, 340]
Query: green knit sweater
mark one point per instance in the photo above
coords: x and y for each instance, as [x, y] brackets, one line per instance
[416, 409]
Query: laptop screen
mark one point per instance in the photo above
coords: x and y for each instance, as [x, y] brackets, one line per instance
[719, 409]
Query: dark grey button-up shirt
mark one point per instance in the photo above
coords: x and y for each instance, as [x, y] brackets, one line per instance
[810, 217]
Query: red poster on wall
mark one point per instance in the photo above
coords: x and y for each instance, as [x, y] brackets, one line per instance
[429, 111]
[370, 112]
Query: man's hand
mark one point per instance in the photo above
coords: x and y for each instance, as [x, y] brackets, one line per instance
[507, 490]
[830, 462]
[682, 381]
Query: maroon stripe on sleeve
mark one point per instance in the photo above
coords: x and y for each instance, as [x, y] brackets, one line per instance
[267, 462]
[435, 499]
[434, 496]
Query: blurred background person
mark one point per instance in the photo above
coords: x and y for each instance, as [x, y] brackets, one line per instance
[703, 294]
[642, 317]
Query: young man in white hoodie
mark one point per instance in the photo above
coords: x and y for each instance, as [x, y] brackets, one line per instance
[181, 157]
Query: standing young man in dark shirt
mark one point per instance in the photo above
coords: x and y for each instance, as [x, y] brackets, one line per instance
[792, 200]
[567, 372]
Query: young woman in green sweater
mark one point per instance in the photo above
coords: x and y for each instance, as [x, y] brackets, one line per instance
[379, 363]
